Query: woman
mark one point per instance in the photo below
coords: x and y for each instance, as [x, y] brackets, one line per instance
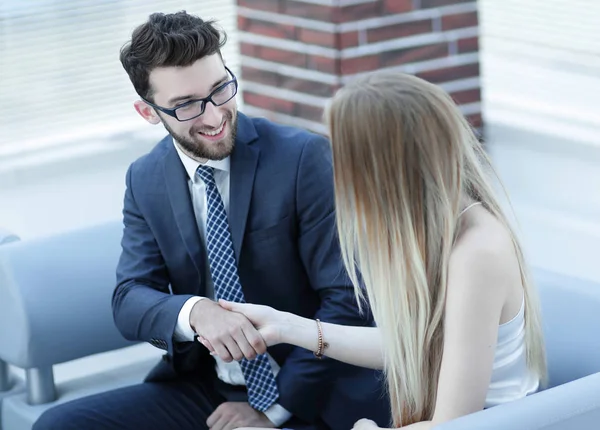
[458, 324]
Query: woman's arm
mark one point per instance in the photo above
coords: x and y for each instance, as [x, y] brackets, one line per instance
[360, 346]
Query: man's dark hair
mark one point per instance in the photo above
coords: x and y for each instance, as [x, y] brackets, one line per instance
[165, 40]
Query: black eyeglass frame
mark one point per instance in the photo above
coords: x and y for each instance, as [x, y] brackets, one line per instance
[172, 112]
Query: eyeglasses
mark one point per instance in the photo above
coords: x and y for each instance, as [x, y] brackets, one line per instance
[194, 108]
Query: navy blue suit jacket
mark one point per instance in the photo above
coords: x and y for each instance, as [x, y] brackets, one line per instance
[283, 228]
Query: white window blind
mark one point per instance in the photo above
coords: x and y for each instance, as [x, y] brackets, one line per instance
[541, 65]
[61, 81]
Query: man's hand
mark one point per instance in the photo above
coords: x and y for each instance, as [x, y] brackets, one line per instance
[230, 335]
[269, 322]
[232, 415]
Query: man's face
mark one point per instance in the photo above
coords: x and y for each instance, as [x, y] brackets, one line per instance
[211, 136]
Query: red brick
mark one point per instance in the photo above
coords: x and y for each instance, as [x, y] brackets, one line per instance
[281, 56]
[315, 37]
[467, 96]
[311, 113]
[269, 103]
[268, 5]
[412, 55]
[279, 80]
[322, 64]
[360, 11]
[270, 29]
[309, 10]
[470, 44]
[261, 76]
[459, 20]
[351, 66]
[475, 120]
[249, 49]
[398, 6]
[348, 40]
[307, 87]
[242, 23]
[426, 4]
[448, 74]
[397, 31]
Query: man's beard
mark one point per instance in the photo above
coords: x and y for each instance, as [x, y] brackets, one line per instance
[201, 149]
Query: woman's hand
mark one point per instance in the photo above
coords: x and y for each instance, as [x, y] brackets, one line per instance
[268, 321]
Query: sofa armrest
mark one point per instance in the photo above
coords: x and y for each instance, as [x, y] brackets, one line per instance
[574, 405]
[7, 236]
[55, 296]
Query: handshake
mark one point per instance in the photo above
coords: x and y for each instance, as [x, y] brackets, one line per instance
[234, 331]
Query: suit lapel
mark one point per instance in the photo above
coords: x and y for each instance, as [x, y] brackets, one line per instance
[181, 203]
[244, 160]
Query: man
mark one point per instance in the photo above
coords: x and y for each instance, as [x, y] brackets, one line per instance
[225, 207]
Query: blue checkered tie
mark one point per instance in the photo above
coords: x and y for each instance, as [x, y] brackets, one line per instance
[260, 381]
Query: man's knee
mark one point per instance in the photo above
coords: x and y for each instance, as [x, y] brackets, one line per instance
[62, 417]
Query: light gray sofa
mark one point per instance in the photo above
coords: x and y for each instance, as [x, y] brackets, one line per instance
[10, 384]
[55, 307]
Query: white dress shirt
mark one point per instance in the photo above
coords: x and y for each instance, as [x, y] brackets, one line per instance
[230, 373]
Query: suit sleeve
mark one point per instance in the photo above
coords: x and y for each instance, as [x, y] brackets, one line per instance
[304, 380]
[143, 308]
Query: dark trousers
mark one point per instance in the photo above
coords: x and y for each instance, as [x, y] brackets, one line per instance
[177, 404]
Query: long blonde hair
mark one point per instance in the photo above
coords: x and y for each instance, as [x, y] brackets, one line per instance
[404, 156]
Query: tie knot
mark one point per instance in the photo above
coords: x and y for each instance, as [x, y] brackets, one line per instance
[206, 174]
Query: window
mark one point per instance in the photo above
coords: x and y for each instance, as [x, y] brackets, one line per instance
[61, 82]
[541, 65]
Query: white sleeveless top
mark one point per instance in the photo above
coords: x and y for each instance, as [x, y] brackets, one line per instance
[511, 379]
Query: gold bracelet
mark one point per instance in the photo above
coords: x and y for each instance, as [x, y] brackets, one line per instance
[321, 345]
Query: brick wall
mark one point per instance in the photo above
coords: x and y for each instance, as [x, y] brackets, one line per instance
[295, 54]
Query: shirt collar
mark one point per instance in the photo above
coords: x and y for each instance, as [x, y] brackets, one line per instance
[192, 165]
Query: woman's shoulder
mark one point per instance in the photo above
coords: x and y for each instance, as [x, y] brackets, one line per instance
[484, 255]
[483, 238]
